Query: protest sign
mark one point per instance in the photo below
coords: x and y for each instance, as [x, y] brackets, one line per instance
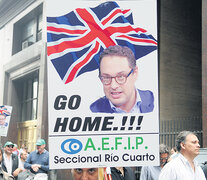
[5, 115]
[81, 133]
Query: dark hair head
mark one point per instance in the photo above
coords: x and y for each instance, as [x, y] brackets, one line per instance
[181, 138]
[119, 51]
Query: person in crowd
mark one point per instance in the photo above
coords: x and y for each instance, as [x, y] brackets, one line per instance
[122, 173]
[118, 73]
[38, 161]
[4, 175]
[10, 162]
[85, 174]
[1, 171]
[15, 150]
[153, 172]
[205, 169]
[23, 157]
[184, 166]
[22, 148]
[173, 150]
[173, 153]
[25, 172]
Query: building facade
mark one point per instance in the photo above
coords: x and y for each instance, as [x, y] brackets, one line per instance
[23, 70]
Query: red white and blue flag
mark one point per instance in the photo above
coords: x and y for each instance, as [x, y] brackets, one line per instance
[4, 111]
[76, 39]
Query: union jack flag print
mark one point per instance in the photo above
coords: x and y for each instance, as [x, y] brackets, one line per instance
[76, 39]
[4, 111]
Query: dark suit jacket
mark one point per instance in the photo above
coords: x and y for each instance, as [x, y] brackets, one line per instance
[128, 174]
[147, 105]
[205, 169]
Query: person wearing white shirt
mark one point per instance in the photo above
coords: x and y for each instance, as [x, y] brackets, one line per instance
[10, 163]
[184, 167]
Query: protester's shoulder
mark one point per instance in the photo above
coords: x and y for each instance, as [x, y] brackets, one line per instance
[172, 164]
[47, 152]
[14, 156]
[32, 153]
[128, 169]
[130, 173]
[204, 168]
[144, 168]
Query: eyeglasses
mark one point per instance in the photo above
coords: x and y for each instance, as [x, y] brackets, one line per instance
[10, 146]
[120, 79]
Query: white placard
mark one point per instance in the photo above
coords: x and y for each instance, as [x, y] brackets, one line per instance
[5, 115]
[104, 139]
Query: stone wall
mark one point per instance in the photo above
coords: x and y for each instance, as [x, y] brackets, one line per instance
[180, 59]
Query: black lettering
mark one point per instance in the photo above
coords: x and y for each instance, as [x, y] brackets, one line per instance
[75, 124]
[106, 122]
[59, 124]
[74, 102]
[90, 125]
[74, 160]
[56, 159]
[60, 102]
[152, 157]
[62, 160]
[125, 157]
[107, 158]
[68, 160]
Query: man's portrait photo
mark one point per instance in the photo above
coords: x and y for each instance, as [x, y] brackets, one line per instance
[118, 73]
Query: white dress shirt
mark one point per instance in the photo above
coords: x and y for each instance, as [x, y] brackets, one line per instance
[8, 163]
[180, 169]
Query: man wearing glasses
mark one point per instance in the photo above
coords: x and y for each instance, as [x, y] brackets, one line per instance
[11, 163]
[118, 73]
[153, 172]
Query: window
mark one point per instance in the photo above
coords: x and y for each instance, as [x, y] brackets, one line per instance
[29, 101]
[39, 28]
[27, 30]
[28, 96]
